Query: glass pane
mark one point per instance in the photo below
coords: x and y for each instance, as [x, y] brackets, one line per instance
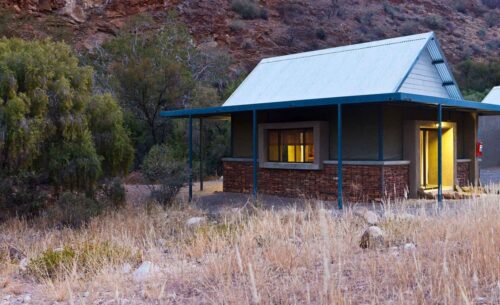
[273, 154]
[299, 157]
[291, 137]
[273, 137]
[291, 153]
[309, 139]
[309, 153]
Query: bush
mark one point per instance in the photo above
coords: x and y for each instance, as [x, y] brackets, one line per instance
[390, 9]
[161, 166]
[409, 28]
[236, 25]
[481, 33]
[492, 19]
[434, 22]
[321, 34]
[492, 4]
[248, 9]
[22, 195]
[73, 210]
[460, 6]
[114, 193]
[88, 257]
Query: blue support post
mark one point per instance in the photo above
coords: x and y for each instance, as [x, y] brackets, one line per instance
[190, 157]
[201, 154]
[339, 157]
[254, 152]
[440, 154]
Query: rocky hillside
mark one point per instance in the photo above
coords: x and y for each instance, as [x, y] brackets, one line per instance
[252, 30]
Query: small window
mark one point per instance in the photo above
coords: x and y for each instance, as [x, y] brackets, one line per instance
[290, 145]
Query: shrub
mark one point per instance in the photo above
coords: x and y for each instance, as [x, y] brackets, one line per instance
[493, 4]
[434, 22]
[390, 9]
[87, 257]
[460, 6]
[236, 25]
[248, 9]
[247, 44]
[51, 262]
[321, 34]
[22, 195]
[74, 210]
[408, 28]
[492, 19]
[161, 166]
[114, 193]
[481, 33]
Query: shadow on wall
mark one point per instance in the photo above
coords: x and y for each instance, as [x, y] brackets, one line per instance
[489, 134]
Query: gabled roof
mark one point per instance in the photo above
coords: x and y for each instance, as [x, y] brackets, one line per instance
[412, 64]
[493, 96]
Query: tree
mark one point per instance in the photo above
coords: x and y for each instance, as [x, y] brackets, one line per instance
[150, 71]
[109, 134]
[46, 103]
[159, 67]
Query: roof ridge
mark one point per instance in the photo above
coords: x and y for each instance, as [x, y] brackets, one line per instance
[348, 48]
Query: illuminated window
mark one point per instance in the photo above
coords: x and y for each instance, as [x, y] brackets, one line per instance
[290, 145]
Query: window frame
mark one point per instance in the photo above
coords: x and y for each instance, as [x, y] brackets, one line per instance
[320, 144]
[302, 145]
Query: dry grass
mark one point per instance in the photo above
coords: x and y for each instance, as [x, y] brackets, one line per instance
[256, 256]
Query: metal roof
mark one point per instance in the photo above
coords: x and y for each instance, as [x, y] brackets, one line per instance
[493, 96]
[377, 67]
[481, 108]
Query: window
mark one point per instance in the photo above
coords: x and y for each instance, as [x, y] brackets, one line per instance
[290, 145]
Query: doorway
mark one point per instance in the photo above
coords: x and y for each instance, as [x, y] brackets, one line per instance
[428, 138]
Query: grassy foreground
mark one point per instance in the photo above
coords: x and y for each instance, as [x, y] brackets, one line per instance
[255, 256]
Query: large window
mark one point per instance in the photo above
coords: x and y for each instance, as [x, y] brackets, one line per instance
[290, 145]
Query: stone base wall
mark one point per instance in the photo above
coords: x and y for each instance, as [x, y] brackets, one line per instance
[360, 182]
[463, 173]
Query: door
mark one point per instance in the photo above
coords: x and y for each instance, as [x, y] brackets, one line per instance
[429, 158]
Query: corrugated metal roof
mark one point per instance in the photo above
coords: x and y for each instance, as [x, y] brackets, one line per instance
[368, 68]
[493, 96]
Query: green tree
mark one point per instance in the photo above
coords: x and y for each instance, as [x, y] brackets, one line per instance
[109, 134]
[150, 71]
[46, 104]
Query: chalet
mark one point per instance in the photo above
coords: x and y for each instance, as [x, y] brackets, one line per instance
[357, 123]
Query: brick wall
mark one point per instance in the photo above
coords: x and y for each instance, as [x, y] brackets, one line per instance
[361, 182]
[463, 173]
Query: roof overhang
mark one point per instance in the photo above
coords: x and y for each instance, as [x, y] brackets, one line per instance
[224, 111]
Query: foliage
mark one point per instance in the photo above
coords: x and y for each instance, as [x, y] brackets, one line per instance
[51, 262]
[150, 70]
[163, 166]
[114, 193]
[472, 95]
[320, 33]
[434, 22]
[73, 210]
[236, 25]
[86, 257]
[158, 67]
[109, 135]
[478, 76]
[248, 9]
[43, 92]
[492, 4]
[22, 194]
[492, 19]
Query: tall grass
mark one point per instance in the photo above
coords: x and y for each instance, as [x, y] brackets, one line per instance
[290, 256]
